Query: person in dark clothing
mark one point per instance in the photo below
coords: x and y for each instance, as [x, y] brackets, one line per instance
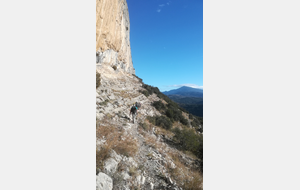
[133, 111]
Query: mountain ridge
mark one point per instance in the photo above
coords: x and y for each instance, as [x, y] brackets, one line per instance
[185, 91]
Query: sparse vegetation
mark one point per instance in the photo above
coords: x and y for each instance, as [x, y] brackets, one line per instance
[114, 139]
[144, 126]
[171, 132]
[132, 171]
[186, 178]
[159, 105]
[145, 92]
[151, 141]
[140, 80]
[98, 79]
[104, 103]
[160, 121]
[189, 140]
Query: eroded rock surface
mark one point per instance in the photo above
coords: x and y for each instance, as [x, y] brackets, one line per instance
[113, 34]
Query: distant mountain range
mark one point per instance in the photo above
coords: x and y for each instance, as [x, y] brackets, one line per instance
[186, 91]
[191, 99]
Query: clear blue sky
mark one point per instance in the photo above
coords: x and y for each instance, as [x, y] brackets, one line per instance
[166, 39]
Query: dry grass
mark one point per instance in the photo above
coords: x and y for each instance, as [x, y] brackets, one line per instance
[151, 141]
[195, 182]
[127, 147]
[167, 133]
[132, 171]
[186, 178]
[177, 124]
[185, 115]
[125, 94]
[115, 140]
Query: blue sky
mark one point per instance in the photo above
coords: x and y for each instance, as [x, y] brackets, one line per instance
[166, 39]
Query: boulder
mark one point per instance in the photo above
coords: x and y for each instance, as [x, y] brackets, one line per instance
[110, 166]
[103, 182]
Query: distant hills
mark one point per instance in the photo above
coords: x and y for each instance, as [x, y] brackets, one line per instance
[191, 99]
[186, 91]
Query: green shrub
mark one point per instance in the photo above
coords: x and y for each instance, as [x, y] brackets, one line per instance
[104, 103]
[151, 119]
[145, 92]
[163, 122]
[159, 105]
[160, 121]
[169, 113]
[190, 141]
[98, 79]
[184, 121]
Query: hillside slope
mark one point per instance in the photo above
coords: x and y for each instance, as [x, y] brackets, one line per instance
[191, 99]
[164, 148]
[142, 155]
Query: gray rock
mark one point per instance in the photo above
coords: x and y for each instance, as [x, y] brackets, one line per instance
[125, 175]
[151, 186]
[143, 180]
[110, 166]
[103, 182]
[112, 97]
[115, 156]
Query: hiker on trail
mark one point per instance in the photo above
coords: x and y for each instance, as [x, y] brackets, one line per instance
[138, 105]
[133, 111]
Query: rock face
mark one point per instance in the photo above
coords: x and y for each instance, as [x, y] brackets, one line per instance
[112, 35]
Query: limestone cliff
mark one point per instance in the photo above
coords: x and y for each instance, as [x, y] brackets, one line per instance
[112, 35]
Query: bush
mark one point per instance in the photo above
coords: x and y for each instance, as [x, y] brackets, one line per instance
[190, 141]
[169, 113]
[145, 92]
[197, 122]
[159, 105]
[98, 80]
[160, 121]
[163, 122]
[184, 121]
[104, 103]
[151, 119]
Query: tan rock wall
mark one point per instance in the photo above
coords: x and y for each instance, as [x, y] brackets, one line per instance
[112, 30]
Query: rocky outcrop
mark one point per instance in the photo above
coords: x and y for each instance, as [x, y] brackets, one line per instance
[103, 182]
[112, 35]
